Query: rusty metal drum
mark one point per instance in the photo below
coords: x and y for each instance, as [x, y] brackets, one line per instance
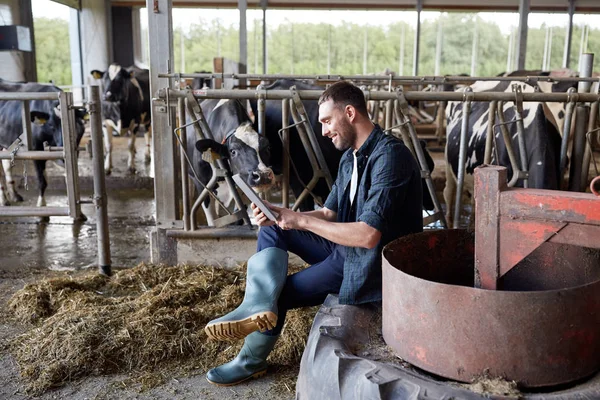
[540, 328]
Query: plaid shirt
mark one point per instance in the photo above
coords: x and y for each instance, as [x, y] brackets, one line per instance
[389, 199]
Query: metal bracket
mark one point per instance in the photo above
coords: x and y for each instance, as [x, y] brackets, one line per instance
[410, 138]
[518, 91]
[468, 94]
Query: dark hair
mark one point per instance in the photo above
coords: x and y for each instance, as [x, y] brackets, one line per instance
[344, 93]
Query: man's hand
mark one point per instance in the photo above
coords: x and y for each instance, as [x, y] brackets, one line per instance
[260, 218]
[287, 219]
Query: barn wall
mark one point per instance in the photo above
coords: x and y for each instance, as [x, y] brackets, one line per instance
[11, 62]
[94, 36]
[122, 28]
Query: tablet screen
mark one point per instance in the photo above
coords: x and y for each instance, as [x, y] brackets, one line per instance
[253, 196]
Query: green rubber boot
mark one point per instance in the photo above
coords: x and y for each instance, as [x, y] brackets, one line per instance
[266, 274]
[250, 363]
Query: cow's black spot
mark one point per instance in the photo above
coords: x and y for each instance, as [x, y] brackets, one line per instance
[561, 114]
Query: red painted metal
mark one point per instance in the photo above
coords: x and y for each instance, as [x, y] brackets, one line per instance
[520, 299]
[513, 249]
[434, 318]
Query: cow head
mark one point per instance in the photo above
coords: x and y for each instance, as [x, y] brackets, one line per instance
[113, 81]
[249, 155]
[47, 126]
[202, 83]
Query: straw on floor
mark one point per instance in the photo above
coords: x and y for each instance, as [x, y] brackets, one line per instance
[145, 320]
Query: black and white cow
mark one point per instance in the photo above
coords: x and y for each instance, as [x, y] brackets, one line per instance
[130, 89]
[249, 153]
[299, 158]
[111, 126]
[201, 83]
[542, 140]
[47, 127]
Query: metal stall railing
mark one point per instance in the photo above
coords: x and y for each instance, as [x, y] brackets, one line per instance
[496, 99]
[21, 149]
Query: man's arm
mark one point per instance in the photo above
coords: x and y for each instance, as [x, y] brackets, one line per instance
[261, 220]
[351, 234]
[322, 222]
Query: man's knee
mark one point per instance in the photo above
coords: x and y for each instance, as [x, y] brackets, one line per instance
[271, 236]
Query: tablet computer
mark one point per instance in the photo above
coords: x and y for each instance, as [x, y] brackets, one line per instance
[253, 196]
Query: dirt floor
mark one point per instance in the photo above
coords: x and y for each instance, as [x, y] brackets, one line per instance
[34, 250]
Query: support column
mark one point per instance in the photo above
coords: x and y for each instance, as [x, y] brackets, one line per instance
[77, 73]
[438, 48]
[160, 32]
[365, 50]
[243, 6]
[417, 39]
[569, 36]
[95, 36]
[401, 55]
[263, 4]
[522, 37]
[12, 62]
[474, 50]
[29, 62]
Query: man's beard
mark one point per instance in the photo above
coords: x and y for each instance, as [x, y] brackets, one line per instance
[345, 142]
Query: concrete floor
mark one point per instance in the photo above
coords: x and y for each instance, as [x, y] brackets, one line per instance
[33, 250]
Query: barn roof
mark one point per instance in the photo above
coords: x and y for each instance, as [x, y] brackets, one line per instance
[586, 6]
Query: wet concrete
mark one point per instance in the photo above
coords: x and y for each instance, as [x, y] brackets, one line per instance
[64, 244]
[31, 250]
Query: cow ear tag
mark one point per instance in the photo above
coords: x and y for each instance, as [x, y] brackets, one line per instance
[96, 75]
[39, 121]
[86, 117]
[210, 156]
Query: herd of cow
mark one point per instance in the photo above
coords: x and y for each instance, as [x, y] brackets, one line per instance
[258, 158]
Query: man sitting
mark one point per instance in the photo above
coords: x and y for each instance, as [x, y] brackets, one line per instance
[376, 198]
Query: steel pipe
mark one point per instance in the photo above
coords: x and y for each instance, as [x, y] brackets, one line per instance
[462, 158]
[185, 187]
[26, 121]
[34, 211]
[489, 139]
[33, 155]
[578, 150]
[384, 95]
[389, 114]
[202, 196]
[285, 143]
[518, 109]
[509, 148]
[398, 78]
[585, 167]
[100, 197]
[29, 96]
[69, 138]
[566, 133]
[298, 110]
[214, 233]
[261, 107]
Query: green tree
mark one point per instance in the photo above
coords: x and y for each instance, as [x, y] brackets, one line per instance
[52, 51]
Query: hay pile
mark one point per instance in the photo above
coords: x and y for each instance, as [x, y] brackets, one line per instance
[144, 319]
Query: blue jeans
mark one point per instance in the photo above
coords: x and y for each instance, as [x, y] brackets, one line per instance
[310, 286]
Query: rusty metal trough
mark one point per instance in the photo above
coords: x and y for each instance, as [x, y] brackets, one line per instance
[520, 299]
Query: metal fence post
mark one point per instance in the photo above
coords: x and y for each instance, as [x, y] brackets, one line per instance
[70, 153]
[100, 198]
